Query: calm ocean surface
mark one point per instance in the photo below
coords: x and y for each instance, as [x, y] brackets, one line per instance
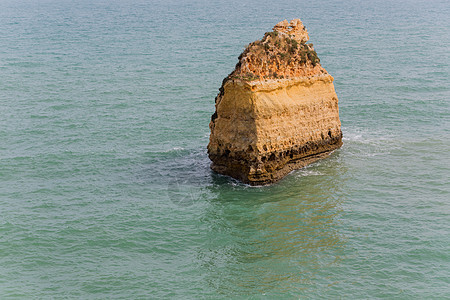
[105, 186]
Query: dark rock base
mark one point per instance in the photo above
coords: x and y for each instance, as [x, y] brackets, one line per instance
[271, 167]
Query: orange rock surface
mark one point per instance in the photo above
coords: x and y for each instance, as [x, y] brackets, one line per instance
[276, 112]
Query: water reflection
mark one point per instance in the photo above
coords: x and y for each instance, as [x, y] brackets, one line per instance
[274, 240]
[280, 240]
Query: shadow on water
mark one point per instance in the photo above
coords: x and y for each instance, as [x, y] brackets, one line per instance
[280, 239]
[276, 239]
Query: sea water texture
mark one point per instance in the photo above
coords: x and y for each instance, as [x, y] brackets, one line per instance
[105, 186]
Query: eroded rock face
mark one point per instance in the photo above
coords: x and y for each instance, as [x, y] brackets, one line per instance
[276, 112]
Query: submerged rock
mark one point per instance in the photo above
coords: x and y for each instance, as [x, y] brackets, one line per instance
[276, 112]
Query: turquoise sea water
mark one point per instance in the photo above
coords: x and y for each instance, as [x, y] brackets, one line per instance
[105, 186]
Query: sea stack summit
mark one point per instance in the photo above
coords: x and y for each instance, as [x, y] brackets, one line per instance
[276, 112]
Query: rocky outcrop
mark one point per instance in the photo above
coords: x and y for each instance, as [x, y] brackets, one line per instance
[276, 112]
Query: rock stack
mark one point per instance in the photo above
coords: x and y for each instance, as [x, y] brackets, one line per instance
[276, 112]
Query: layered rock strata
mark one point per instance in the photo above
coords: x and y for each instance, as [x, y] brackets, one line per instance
[276, 112]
